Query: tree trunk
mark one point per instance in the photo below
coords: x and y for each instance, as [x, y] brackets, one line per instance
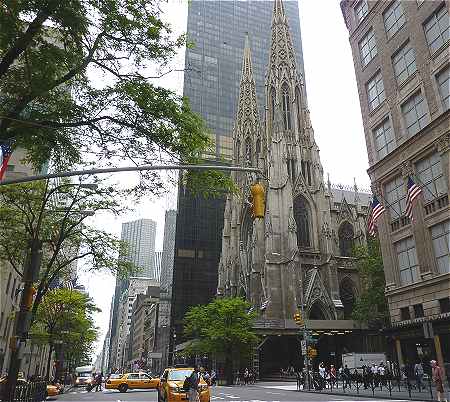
[228, 369]
[49, 357]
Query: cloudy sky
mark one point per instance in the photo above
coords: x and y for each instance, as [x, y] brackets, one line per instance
[335, 116]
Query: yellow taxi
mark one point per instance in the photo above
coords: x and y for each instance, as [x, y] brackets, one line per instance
[52, 390]
[132, 381]
[171, 383]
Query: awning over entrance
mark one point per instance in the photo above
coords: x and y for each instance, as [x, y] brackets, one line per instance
[290, 327]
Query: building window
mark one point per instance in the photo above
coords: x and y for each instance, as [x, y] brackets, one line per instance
[404, 314]
[367, 48]
[407, 261]
[375, 91]
[238, 151]
[346, 238]
[404, 62]
[8, 283]
[286, 107]
[395, 194]
[298, 103]
[248, 152]
[418, 310]
[443, 80]
[415, 113]
[431, 179]
[301, 216]
[394, 18]
[272, 103]
[384, 138]
[361, 10]
[444, 305]
[437, 29]
[441, 244]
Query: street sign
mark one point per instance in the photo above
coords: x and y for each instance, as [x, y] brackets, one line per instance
[303, 342]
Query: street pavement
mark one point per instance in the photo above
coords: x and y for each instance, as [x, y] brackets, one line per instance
[252, 393]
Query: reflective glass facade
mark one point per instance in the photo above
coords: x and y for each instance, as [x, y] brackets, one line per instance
[217, 30]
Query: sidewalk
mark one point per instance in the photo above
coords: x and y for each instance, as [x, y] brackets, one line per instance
[425, 395]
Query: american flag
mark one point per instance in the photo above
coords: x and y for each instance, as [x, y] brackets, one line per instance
[5, 154]
[413, 192]
[265, 304]
[377, 210]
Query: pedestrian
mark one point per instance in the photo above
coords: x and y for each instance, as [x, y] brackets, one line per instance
[193, 382]
[438, 379]
[98, 382]
[347, 377]
[322, 374]
[418, 373]
[213, 377]
[246, 376]
[333, 376]
[381, 374]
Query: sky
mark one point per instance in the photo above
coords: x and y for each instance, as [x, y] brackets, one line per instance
[335, 116]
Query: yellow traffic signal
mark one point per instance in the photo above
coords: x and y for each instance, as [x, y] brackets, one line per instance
[312, 352]
[258, 201]
[298, 319]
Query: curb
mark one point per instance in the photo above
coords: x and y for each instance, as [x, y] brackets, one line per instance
[386, 397]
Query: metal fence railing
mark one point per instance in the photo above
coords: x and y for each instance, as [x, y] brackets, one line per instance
[25, 392]
[369, 384]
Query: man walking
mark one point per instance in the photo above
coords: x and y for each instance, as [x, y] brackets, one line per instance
[194, 380]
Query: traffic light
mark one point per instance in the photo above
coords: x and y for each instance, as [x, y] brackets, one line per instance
[258, 201]
[312, 352]
[28, 298]
[298, 319]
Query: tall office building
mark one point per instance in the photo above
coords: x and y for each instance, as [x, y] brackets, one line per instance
[165, 296]
[140, 236]
[211, 82]
[158, 262]
[401, 57]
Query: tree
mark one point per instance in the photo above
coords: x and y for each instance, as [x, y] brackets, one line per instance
[222, 328]
[49, 52]
[371, 305]
[56, 215]
[64, 317]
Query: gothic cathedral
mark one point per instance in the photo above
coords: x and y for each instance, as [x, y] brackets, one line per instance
[295, 256]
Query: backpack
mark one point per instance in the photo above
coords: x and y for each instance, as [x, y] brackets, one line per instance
[187, 383]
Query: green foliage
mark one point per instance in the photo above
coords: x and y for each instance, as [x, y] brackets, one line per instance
[58, 216]
[74, 87]
[371, 305]
[65, 316]
[222, 328]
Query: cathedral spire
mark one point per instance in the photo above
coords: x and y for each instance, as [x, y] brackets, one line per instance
[282, 51]
[247, 131]
[278, 10]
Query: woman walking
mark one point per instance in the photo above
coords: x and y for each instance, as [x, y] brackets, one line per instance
[438, 379]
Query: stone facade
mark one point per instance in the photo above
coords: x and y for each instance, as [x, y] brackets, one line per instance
[407, 135]
[296, 255]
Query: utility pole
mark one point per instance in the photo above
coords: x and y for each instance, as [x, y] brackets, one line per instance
[23, 316]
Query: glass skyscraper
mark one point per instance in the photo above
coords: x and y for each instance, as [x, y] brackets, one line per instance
[218, 29]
